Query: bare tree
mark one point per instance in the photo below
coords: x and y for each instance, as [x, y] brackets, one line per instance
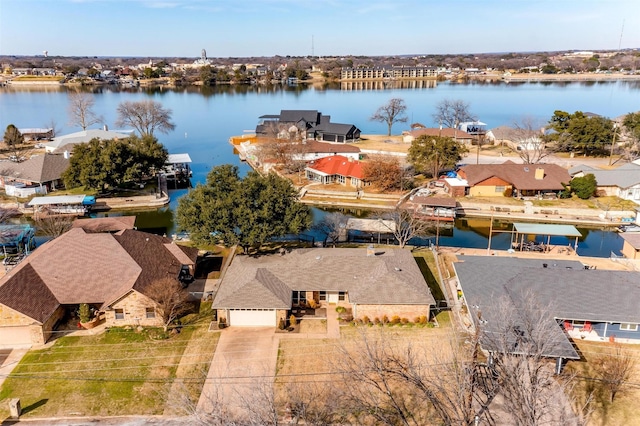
[8, 213]
[390, 113]
[527, 135]
[81, 110]
[332, 225]
[522, 337]
[450, 113]
[615, 369]
[145, 116]
[404, 225]
[54, 224]
[391, 380]
[171, 299]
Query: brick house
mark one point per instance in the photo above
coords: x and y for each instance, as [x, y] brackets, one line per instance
[112, 272]
[260, 291]
[519, 180]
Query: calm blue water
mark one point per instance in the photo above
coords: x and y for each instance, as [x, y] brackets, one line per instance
[206, 118]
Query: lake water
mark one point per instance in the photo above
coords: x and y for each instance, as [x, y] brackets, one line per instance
[205, 118]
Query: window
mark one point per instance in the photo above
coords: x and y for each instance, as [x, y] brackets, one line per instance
[341, 295]
[322, 295]
[500, 188]
[119, 314]
[150, 313]
[628, 327]
[299, 297]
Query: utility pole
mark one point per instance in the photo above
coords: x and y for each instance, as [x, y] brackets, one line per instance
[613, 144]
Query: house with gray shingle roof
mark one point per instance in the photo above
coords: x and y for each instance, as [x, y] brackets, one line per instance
[113, 273]
[262, 291]
[38, 175]
[584, 303]
[63, 143]
[622, 182]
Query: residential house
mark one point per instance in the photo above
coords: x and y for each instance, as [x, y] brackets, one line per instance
[113, 273]
[262, 291]
[309, 124]
[336, 169]
[584, 303]
[622, 182]
[36, 134]
[39, 174]
[66, 143]
[313, 150]
[631, 245]
[455, 134]
[519, 180]
[516, 139]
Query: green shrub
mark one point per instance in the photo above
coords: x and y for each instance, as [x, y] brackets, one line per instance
[423, 319]
[341, 309]
[84, 312]
[395, 319]
[293, 320]
[584, 187]
[282, 324]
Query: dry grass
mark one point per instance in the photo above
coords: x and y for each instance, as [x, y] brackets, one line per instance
[377, 143]
[624, 410]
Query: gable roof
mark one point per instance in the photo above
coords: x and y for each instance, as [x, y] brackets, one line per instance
[624, 176]
[565, 287]
[39, 169]
[390, 277]
[29, 295]
[436, 131]
[105, 224]
[312, 146]
[85, 136]
[337, 165]
[521, 176]
[80, 267]
[295, 115]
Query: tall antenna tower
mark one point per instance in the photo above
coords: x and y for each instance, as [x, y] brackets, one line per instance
[621, 31]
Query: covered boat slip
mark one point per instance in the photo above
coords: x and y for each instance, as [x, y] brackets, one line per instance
[63, 204]
[521, 231]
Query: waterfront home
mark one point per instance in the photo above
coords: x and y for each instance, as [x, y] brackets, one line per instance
[305, 124]
[516, 139]
[65, 143]
[313, 150]
[39, 174]
[631, 245]
[36, 134]
[455, 134]
[511, 179]
[583, 303]
[113, 273]
[336, 169]
[622, 182]
[265, 290]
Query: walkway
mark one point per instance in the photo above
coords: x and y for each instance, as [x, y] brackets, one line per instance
[9, 359]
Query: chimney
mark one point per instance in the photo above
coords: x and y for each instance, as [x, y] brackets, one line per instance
[539, 173]
[371, 251]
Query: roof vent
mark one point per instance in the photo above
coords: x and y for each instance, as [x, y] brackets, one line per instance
[318, 257]
[526, 169]
[544, 265]
[397, 269]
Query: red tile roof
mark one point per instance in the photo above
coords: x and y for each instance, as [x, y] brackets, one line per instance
[337, 165]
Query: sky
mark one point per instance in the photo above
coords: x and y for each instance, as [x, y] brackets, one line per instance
[245, 28]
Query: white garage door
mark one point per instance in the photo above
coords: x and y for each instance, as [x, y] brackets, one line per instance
[15, 336]
[252, 317]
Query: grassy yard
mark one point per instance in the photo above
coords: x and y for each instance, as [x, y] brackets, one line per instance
[118, 372]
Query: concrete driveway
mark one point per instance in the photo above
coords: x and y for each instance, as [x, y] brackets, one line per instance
[242, 371]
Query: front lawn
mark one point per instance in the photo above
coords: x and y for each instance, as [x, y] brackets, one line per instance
[118, 372]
